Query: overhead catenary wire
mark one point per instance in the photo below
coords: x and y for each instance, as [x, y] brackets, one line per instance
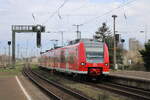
[120, 6]
[80, 7]
[55, 12]
[88, 21]
[106, 13]
[34, 19]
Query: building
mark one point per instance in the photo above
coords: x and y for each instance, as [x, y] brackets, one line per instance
[134, 45]
[133, 56]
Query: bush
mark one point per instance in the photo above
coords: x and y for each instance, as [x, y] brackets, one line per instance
[146, 56]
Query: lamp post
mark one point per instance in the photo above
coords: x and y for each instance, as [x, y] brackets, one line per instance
[114, 57]
[145, 31]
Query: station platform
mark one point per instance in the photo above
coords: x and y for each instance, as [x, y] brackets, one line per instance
[10, 90]
[132, 74]
[138, 79]
[19, 88]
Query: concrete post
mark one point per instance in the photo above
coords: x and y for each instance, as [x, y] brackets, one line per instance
[114, 57]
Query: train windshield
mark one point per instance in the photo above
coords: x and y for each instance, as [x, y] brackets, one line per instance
[94, 52]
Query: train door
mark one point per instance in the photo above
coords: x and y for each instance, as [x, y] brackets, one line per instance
[54, 59]
[66, 57]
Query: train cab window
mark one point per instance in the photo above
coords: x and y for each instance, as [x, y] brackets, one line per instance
[94, 57]
[94, 51]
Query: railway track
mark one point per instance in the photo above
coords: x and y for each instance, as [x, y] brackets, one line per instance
[131, 92]
[54, 90]
[136, 94]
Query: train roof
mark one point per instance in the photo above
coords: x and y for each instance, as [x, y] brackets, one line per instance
[85, 40]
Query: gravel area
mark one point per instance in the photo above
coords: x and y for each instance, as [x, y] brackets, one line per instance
[138, 74]
[90, 91]
[60, 93]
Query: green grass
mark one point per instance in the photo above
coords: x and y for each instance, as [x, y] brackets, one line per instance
[8, 71]
[34, 66]
[4, 72]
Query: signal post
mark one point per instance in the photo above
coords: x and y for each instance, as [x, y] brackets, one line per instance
[25, 28]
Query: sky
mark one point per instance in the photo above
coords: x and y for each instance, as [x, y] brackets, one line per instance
[133, 17]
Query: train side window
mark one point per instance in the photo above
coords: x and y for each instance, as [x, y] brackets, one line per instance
[62, 56]
[71, 59]
[66, 55]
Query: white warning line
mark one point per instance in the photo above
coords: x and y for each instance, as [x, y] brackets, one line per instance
[23, 89]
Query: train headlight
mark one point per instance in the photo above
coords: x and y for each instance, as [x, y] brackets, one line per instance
[106, 64]
[83, 63]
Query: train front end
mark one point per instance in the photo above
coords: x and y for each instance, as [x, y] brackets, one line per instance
[95, 58]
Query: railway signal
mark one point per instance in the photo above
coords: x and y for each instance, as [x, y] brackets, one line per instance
[38, 39]
[25, 28]
[117, 37]
[38, 29]
[9, 43]
[122, 40]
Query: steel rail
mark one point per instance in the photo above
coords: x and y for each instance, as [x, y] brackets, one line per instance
[48, 92]
[60, 86]
[131, 89]
[67, 90]
[121, 91]
[132, 92]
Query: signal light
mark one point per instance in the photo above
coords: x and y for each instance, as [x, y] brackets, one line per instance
[117, 37]
[122, 40]
[38, 28]
[9, 42]
[38, 39]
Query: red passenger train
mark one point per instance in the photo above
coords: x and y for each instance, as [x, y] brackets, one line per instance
[80, 57]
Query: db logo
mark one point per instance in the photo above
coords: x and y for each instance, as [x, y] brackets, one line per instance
[95, 64]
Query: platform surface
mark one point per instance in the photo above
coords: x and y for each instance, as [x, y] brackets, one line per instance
[132, 74]
[11, 90]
